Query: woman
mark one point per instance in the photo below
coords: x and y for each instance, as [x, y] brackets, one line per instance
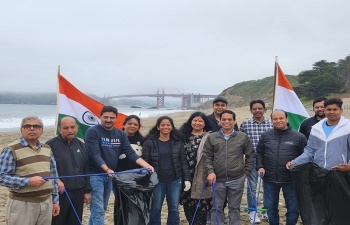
[164, 150]
[131, 127]
[196, 132]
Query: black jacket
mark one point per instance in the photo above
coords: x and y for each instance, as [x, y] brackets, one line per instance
[214, 124]
[150, 155]
[275, 149]
[305, 126]
[71, 160]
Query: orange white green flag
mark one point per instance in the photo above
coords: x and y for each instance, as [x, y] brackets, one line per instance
[286, 99]
[85, 110]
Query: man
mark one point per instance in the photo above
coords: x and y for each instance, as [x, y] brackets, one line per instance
[24, 164]
[318, 107]
[105, 144]
[223, 152]
[72, 159]
[276, 147]
[219, 105]
[254, 127]
[328, 144]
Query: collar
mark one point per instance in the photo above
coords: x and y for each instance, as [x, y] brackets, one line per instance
[265, 120]
[25, 143]
[227, 136]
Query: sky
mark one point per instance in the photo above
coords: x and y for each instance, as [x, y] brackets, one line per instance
[137, 47]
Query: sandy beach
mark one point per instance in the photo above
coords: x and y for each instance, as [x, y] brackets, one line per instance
[179, 118]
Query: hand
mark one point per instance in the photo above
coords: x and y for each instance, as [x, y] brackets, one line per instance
[210, 178]
[110, 171]
[87, 198]
[245, 175]
[289, 164]
[342, 167]
[151, 168]
[60, 186]
[36, 181]
[187, 185]
[261, 170]
[55, 209]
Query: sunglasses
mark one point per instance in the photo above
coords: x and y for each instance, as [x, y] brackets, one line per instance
[34, 126]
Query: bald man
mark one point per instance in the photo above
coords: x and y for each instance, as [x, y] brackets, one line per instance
[72, 159]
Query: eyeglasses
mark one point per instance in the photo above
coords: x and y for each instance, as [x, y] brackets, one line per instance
[29, 126]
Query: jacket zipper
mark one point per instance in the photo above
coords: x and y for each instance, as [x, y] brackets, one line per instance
[278, 156]
[226, 161]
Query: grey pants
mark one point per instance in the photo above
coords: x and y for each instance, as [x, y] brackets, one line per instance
[233, 191]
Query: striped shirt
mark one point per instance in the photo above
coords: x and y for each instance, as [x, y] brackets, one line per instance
[254, 129]
[8, 166]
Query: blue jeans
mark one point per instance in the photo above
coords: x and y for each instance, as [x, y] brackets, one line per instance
[172, 192]
[251, 188]
[271, 198]
[101, 189]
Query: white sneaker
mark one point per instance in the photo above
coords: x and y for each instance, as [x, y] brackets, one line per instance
[251, 217]
[264, 216]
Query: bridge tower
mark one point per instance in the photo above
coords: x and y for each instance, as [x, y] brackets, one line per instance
[160, 99]
[105, 99]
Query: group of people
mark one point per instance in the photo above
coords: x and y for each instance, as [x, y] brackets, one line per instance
[206, 149]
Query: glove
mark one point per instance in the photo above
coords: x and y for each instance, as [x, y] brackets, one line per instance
[187, 185]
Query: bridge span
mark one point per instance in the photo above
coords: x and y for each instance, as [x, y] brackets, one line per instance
[187, 100]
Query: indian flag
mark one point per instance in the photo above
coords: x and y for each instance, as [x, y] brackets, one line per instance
[85, 110]
[286, 99]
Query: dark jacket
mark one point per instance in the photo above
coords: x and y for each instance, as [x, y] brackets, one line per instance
[71, 160]
[225, 157]
[150, 155]
[215, 127]
[275, 149]
[305, 126]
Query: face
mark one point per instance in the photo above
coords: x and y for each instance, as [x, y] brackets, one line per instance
[131, 127]
[219, 106]
[279, 120]
[68, 128]
[108, 120]
[197, 123]
[319, 109]
[165, 127]
[333, 112]
[258, 111]
[31, 130]
[227, 122]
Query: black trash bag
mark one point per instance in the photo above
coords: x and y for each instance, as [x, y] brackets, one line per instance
[133, 201]
[323, 195]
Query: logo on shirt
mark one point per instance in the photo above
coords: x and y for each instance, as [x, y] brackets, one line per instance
[114, 142]
[78, 150]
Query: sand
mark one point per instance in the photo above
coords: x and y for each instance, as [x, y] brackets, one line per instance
[179, 118]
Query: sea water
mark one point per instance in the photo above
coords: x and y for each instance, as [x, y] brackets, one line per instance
[11, 114]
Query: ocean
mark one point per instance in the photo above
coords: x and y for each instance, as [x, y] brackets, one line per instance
[11, 114]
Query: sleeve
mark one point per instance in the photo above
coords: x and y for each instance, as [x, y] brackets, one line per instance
[87, 188]
[93, 147]
[249, 156]
[242, 128]
[208, 153]
[303, 128]
[7, 170]
[307, 155]
[53, 168]
[184, 163]
[127, 149]
[146, 151]
[260, 151]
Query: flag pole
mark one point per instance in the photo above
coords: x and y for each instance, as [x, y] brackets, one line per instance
[57, 97]
[275, 83]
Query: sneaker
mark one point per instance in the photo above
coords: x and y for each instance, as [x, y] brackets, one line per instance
[251, 217]
[264, 216]
[226, 220]
[208, 218]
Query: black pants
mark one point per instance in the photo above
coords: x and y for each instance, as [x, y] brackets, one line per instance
[67, 215]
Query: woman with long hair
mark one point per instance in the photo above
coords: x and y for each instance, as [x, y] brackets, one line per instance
[164, 150]
[196, 132]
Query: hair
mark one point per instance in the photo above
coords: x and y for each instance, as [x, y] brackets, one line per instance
[318, 99]
[285, 113]
[32, 118]
[229, 112]
[137, 133]
[256, 101]
[186, 128]
[154, 133]
[109, 108]
[59, 122]
[332, 101]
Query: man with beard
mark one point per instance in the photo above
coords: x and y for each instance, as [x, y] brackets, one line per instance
[318, 106]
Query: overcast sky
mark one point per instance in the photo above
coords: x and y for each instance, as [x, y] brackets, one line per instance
[128, 47]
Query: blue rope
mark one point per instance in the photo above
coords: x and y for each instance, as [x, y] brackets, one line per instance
[251, 192]
[142, 171]
[215, 204]
[257, 198]
[76, 214]
[199, 201]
